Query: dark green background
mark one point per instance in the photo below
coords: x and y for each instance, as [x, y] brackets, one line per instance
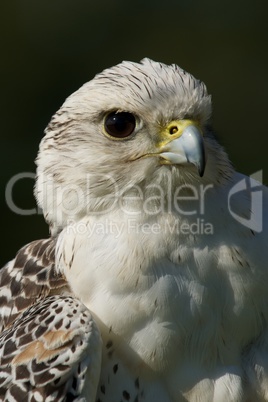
[50, 48]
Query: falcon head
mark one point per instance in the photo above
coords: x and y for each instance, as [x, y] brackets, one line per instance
[133, 126]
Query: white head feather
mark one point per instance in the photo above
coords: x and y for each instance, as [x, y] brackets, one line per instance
[79, 169]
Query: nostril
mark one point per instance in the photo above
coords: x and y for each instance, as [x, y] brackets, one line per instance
[173, 130]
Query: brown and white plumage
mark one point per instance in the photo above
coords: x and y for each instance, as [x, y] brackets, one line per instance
[27, 279]
[48, 341]
[128, 301]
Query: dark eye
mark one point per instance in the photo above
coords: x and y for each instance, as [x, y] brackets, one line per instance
[120, 124]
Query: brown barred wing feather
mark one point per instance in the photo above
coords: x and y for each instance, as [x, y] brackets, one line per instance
[51, 352]
[28, 278]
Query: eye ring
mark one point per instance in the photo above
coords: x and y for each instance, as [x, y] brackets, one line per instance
[119, 125]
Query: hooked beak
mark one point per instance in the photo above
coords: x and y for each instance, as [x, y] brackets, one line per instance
[182, 143]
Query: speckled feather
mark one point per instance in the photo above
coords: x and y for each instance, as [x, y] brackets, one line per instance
[28, 278]
[45, 355]
[47, 334]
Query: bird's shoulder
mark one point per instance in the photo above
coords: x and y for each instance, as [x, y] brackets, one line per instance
[49, 342]
[28, 278]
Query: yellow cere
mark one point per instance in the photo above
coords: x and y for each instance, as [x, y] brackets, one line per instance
[174, 130]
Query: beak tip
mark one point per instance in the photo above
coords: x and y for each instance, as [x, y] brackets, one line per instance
[201, 169]
[200, 160]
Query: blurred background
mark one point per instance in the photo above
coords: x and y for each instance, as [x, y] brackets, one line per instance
[49, 48]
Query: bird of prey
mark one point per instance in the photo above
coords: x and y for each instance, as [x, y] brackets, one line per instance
[153, 285]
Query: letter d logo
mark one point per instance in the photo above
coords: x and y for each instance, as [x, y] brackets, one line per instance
[254, 222]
